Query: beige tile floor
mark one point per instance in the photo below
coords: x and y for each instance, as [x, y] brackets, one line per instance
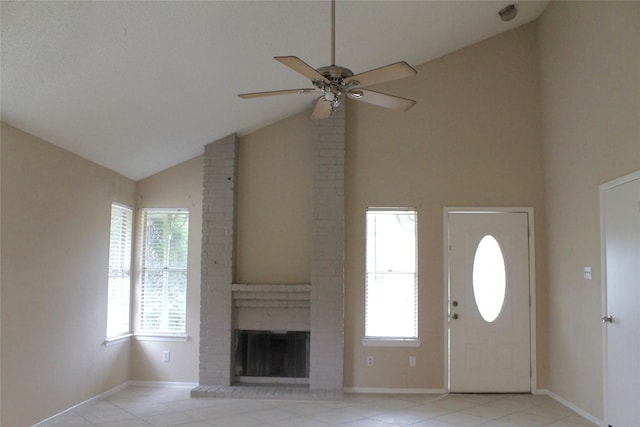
[161, 406]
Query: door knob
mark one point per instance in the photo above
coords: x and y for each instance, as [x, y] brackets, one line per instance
[607, 319]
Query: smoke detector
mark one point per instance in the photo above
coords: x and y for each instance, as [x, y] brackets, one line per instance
[507, 13]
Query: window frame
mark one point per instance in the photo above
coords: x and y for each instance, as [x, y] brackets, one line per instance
[149, 334]
[398, 340]
[126, 270]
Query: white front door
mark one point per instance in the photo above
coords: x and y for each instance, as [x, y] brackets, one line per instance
[489, 314]
[621, 232]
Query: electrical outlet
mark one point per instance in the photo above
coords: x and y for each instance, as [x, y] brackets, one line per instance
[412, 361]
[166, 356]
[369, 360]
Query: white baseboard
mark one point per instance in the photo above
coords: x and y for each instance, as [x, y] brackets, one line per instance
[170, 384]
[121, 387]
[571, 406]
[387, 390]
[89, 401]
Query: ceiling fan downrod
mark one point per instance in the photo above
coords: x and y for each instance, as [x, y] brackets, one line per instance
[333, 32]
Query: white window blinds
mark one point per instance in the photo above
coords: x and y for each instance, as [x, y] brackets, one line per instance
[391, 285]
[163, 283]
[119, 286]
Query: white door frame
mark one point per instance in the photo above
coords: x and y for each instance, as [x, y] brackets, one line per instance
[532, 283]
[603, 277]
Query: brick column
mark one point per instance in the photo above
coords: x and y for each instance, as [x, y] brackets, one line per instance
[218, 260]
[327, 254]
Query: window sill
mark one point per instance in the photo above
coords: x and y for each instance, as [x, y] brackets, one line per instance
[391, 342]
[160, 337]
[116, 340]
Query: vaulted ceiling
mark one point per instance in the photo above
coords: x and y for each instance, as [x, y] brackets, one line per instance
[140, 86]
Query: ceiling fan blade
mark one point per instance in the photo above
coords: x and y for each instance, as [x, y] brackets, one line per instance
[398, 70]
[322, 110]
[297, 64]
[381, 99]
[277, 92]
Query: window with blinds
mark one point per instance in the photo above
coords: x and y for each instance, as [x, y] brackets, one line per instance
[163, 282]
[119, 286]
[391, 281]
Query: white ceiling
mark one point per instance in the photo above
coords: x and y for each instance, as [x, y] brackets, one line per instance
[141, 86]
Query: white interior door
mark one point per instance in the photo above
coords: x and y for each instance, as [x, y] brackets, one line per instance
[621, 224]
[489, 315]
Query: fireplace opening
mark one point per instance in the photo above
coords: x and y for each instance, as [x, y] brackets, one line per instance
[272, 354]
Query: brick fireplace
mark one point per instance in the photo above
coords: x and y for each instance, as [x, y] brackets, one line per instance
[316, 307]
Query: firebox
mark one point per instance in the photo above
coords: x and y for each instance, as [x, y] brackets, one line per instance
[272, 354]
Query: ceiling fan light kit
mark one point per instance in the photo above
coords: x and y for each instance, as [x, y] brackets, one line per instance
[333, 82]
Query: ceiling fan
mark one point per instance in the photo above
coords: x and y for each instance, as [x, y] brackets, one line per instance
[334, 82]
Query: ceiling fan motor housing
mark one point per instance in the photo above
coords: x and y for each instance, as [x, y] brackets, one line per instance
[336, 86]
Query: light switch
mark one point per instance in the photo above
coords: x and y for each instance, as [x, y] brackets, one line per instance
[587, 273]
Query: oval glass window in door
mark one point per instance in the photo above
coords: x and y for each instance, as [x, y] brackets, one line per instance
[489, 278]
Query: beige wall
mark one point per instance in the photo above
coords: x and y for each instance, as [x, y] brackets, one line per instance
[473, 139]
[590, 64]
[56, 211]
[177, 187]
[274, 203]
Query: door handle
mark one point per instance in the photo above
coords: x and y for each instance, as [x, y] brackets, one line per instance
[607, 319]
